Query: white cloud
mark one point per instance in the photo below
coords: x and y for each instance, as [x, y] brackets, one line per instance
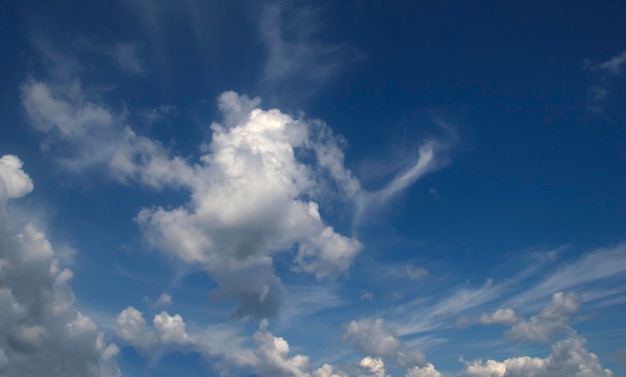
[167, 329]
[14, 183]
[41, 333]
[169, 332]
[551, 321]
[132, 327]
[430, 159]
[374, 338]
[428, 370]
[248, 202]
[569, 358]
[164, 300]
[273, 355]
[374, 365]
[505, 316]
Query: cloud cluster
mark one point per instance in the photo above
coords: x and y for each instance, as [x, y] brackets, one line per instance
[428, 370]
[569, 358]
[167, 329]
[254, 192]
[41, 332]
[551, 321]
[374, 338]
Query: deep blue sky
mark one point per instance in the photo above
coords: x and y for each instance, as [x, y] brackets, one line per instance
[122, 117]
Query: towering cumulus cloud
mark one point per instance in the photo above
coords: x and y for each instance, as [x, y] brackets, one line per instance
[41, 333]
[251, 197]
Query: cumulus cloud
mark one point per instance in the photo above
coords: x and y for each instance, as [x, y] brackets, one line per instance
[251, 198]
[428, 370]
[374, 338]
[14, 183]
[551, 321]
[505, 316]
[167, 329]
[569, 358]
[273, 355]
[273, 358]
[221, 344]
[41, 332]
[375, 367]
[164, 300]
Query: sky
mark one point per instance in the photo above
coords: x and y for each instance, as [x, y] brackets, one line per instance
[312, 188]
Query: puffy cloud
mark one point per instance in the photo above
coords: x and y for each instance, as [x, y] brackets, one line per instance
[569, 358]
[251, 198]
[164, 300]
[170, 329]
[327, 370]
[428, 370]
[132, 327]
[374, 338]
[221, 344]
[551, 321]
[505, 316]
[375, 366]
[14, 183]
[273, 355]
[167, 329]
[41, 332]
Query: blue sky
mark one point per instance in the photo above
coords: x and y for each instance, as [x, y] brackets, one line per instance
[312, 189]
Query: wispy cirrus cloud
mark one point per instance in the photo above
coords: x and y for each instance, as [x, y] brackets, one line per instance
[606, 74]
